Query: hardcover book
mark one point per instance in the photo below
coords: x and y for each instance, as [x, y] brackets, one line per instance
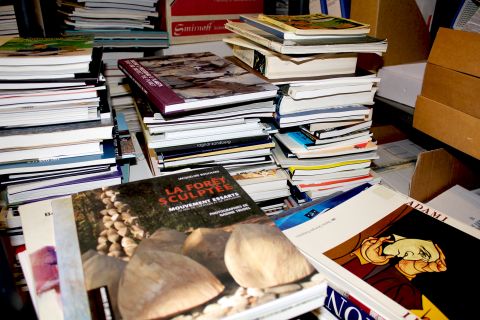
[181, 244]
[394, 254]
[185, 82]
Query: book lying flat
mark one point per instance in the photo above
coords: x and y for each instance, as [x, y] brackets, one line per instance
[179, 244]
[185, 82]
[46, 51]
[316, 24]
[288, 105]
[276, 66]
[328, 45]
[394, 254]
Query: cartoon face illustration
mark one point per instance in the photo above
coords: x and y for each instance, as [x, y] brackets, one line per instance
[412, 249]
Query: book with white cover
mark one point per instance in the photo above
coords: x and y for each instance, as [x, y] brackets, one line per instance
[288, 105]
[277, 66]
[394, 254]
[37, 225]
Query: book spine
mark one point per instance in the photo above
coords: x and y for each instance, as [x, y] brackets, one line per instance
[157, 92]
[252, 58]
[250, 35]
[211, 144]
[263, 27]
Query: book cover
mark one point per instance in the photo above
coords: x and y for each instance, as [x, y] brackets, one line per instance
[316, 24]
[185, 82]
[46, 51]
[181, 244]
[394, 254]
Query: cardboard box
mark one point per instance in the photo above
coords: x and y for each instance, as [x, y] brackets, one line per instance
[449, 125]
[401, 23]
[455, 89]
[438, 170]
[189, 21]
[448, 106]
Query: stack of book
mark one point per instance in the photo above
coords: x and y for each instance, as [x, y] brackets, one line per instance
[115, 24]
[8, 20]
[57, 130]
[125, 29]
[322, 109]
[201, 110]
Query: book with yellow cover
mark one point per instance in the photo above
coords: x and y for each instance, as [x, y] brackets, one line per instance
[316, 24]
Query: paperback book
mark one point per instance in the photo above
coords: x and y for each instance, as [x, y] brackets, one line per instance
[181, 244]
[316, 24]
[46, 51]
[277, 66]
[193, 81]
[324, 45]
[394, 254]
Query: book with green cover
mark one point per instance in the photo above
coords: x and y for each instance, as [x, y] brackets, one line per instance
[46, 51]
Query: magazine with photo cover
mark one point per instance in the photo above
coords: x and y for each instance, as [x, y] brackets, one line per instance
[186, 244]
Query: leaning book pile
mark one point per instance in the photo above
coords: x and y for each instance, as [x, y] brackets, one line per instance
[57, 131]
[323, 108]
[190, 245]
[125, 29]
[199, 110]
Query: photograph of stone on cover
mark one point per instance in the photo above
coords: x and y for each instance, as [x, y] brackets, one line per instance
[163, 268]
[204, 75]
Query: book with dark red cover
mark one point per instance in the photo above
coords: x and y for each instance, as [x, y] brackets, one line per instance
[194, 81]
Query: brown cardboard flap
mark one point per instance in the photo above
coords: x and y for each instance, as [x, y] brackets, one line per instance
[448, 125]
[437, 171]
[455, 89]
[401, 23]
[457, 50]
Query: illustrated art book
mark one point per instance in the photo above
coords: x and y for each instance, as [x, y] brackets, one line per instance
[192, 243]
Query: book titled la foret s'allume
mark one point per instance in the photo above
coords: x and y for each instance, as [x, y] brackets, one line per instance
[182, 244]
[192, 81]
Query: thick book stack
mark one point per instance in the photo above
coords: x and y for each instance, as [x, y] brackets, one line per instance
[8, 20]
[115, 24]
[322, 109]
[199, 110]
[190, 245]
[125, 29]
[56, 133]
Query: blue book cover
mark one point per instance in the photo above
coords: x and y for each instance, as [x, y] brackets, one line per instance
[107, 157]
[298, 215]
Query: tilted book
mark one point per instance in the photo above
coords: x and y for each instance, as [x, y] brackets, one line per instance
[396, 255]
[192, 81]
[181, 244]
